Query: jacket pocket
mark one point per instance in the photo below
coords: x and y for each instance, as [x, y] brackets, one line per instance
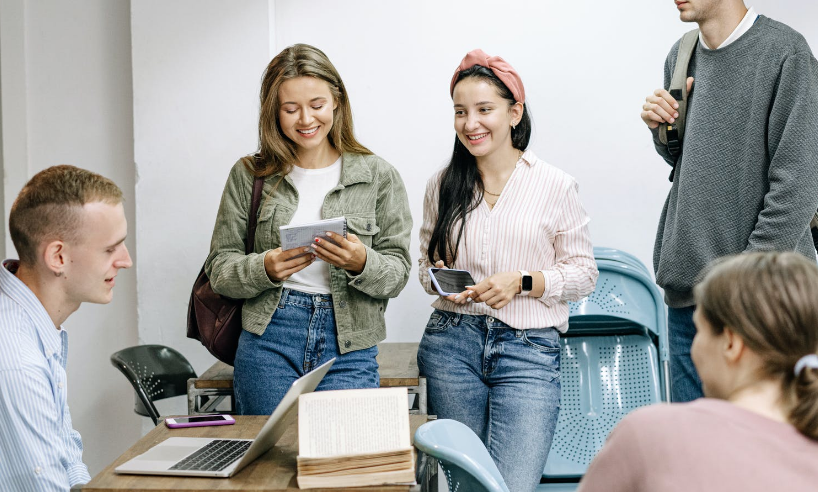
[364, 227]
[267, 233]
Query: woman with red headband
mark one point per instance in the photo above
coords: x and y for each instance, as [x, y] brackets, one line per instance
[491, 353]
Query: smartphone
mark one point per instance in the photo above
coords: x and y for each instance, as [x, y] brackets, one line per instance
[448, 281]
[199, 421]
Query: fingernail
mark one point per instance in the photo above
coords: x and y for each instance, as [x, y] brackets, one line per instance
[457, 298]
[329, 234]
[672, 120]
[317, 240]
[308, 250]
[468, 292]
[469, 299]
[675, 115]
[675, 105]
[312, 247]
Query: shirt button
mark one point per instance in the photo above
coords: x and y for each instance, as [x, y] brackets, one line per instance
[347, 344]
[490, 319]
[48, 353]
[357, 281]
[59, 385]
[38, 470]
[342, 304]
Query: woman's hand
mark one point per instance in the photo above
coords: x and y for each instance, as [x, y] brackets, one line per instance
[281, 264]
[348, 253]
[461, 298]
[497, 290]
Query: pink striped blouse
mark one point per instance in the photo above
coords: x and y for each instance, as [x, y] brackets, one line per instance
[538, 223]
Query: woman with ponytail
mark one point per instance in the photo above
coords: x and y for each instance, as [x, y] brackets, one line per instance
[757, 429]
[491, 353]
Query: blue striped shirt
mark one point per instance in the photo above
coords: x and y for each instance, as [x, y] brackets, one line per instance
[39, 448]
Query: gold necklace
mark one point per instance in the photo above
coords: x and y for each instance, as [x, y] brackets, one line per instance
[519, 155]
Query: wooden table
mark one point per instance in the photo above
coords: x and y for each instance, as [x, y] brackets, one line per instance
[398, 367]
[273, 471]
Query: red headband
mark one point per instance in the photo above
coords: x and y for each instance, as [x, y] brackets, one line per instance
[501, 69]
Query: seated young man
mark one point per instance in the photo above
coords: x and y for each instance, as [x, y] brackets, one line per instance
[68, 226]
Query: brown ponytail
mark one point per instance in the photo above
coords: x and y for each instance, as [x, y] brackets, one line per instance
[769, 300]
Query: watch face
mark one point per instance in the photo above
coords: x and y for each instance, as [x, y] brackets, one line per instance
[528, 282]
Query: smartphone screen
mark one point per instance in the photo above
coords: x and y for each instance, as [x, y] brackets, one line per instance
[452, 281]
[203, 418]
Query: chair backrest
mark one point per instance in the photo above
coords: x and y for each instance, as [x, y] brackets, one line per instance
[155, 372]
[613, 254]
[603, 379]
[462, 455]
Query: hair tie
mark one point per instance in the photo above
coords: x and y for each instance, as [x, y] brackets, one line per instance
[809, 360]
[501, 69]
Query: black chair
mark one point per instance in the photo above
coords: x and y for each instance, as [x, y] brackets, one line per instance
[155, 372]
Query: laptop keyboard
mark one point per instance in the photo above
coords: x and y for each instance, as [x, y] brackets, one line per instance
[215, 456]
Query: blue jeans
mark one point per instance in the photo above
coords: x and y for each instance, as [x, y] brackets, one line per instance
[685, 384]
[501, 382]
[300, 337]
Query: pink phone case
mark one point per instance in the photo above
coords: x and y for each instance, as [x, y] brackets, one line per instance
[228, 420]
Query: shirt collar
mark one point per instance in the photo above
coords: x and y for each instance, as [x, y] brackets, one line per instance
[742, 27]
[528, 158]
[51, 338]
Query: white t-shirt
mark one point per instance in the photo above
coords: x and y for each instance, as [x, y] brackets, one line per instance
[313, 185]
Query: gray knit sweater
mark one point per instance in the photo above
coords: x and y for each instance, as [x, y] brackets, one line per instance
[747, 179]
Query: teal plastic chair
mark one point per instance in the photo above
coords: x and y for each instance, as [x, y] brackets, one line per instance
[462, 455]
[614, 359]
[613, 254]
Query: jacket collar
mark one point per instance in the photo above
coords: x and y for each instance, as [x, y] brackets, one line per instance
[354, 169]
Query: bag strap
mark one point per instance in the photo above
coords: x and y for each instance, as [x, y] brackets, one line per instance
[258, 185]
[671, 134]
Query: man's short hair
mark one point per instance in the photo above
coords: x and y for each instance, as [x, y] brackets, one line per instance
[48, 207]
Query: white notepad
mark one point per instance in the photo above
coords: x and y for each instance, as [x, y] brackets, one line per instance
[302, 235]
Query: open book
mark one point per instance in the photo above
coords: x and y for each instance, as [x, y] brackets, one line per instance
[354, 438]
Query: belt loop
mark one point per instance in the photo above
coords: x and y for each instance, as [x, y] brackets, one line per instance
[285, 293]
[456, 319]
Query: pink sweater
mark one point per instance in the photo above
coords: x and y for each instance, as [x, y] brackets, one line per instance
[705, 445]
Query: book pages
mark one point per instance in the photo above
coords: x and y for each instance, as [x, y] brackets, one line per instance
[349, 422]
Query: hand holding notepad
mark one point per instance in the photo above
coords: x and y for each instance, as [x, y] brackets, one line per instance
[302, 235]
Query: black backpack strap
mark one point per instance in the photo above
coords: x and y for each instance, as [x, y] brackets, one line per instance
[671, 134]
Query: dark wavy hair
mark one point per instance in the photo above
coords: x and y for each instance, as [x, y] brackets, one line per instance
[461, 186]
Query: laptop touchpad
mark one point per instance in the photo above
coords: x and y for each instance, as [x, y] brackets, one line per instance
[168, 453]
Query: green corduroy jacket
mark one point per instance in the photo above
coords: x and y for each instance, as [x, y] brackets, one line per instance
[371, 196]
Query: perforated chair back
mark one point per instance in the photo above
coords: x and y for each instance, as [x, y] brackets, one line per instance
[613, 360]
[155, 372]
[462, 455]
[603, 379]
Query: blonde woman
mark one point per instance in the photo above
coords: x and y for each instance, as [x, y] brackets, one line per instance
[757, 429]
[300, 312]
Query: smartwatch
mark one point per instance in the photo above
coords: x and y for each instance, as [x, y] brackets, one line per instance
[526, 283]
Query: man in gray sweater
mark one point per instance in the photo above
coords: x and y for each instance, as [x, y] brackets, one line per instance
[747, 177]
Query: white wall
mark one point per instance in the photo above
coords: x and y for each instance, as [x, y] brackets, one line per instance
[196, 72]
[69, 102]
[184, 107]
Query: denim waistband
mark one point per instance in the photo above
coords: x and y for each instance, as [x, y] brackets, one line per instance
[490, 322]
[298, 298]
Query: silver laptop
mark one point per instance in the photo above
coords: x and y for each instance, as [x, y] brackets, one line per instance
[203, 457]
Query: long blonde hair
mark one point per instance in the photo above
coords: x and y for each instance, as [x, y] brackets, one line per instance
[770, 300]
[277, 153]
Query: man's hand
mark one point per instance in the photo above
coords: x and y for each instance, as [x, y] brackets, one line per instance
[660, 107]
